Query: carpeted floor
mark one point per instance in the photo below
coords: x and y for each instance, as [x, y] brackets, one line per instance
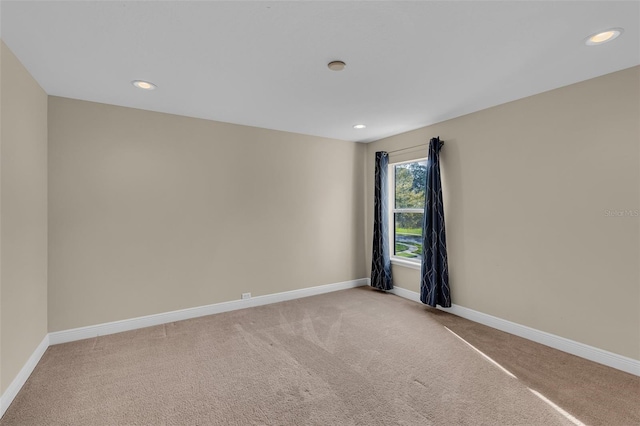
[354, 357]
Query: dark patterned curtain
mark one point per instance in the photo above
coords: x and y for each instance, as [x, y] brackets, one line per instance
[434, 284]
[380, 261]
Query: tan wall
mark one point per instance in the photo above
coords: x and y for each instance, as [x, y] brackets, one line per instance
[527, 185]
[23, 216]
[151, 212]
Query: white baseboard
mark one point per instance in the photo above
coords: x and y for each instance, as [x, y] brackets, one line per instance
[404, 293]
[91, 331]
[585, 351]
[591, 353]
[7, 398]
[58, 337]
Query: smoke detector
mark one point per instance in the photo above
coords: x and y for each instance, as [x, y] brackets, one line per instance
[336, 65]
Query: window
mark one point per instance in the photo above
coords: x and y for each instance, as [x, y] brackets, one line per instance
[407, 208]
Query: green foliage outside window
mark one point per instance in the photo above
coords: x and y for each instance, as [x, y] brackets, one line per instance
[409, 194]
[408, 208]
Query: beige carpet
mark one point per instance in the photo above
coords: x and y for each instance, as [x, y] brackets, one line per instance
[354, 357]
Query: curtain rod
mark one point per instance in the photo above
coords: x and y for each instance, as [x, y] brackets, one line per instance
[411, 147]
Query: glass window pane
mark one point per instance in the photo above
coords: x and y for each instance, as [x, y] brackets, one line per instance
[408, 235]
[410, 181]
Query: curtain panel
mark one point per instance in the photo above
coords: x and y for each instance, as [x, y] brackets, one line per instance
[434, 284]
[380, 259]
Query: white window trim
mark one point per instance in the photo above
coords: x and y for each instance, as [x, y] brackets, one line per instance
[391, 178]
[406, 263]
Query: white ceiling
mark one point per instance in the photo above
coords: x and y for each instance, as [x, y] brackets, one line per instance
[409, 64]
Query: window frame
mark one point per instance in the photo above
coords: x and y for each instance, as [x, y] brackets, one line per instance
[391, 177]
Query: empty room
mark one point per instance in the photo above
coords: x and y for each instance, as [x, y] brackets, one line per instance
[319, 213]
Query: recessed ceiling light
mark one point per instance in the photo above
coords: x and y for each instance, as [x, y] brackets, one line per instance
[336, 65]
[603, 36]
[141, 84]
[359, 126]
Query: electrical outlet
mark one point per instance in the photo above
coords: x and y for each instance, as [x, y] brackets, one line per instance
[246, 295]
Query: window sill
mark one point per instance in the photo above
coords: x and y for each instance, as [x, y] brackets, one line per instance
[406, 263]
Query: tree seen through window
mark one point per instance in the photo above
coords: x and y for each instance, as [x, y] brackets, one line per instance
[408, 208]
